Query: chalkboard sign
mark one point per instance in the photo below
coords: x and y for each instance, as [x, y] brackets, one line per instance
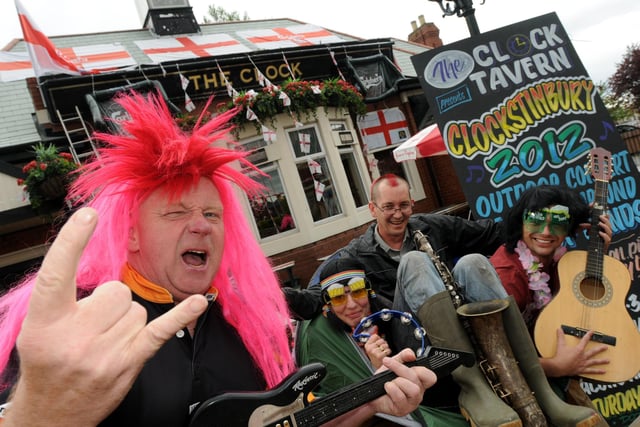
[517, 109]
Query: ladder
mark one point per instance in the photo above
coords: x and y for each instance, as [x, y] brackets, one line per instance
[81, 144]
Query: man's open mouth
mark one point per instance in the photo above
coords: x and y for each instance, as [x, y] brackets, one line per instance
[195, 258]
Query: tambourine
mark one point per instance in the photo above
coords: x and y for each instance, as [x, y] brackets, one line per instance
[386, 315]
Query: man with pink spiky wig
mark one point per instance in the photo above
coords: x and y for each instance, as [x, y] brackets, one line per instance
[202, 312]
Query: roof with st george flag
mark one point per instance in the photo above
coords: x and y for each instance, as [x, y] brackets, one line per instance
[130, 49]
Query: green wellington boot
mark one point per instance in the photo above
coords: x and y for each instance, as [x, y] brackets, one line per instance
[478, 403]
[558, 412]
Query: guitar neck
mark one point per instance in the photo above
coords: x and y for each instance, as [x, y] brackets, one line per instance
[350, 397]
[596, 243]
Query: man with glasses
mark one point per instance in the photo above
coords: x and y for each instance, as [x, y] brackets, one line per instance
[400, 272]
[400, 267]
[384, 246]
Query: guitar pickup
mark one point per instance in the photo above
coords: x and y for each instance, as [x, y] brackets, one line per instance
[597, 336]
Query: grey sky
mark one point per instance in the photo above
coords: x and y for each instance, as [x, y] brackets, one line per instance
[600, 30]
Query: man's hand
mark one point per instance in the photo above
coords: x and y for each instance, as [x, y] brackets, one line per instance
[78, 359]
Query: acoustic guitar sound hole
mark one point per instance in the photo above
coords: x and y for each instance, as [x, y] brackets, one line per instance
[592, 289]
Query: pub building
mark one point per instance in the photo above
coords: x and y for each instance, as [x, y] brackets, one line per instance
[322, 111]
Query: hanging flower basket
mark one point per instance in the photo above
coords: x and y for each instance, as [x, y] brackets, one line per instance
[47, 178]
[304, 97]
[53, 188]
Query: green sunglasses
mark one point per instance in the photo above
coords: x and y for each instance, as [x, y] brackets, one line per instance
[535, 221]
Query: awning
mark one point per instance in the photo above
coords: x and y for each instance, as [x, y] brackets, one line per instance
[426, 143]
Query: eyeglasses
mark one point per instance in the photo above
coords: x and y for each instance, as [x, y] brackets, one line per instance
[559, 222]
[338, 293]
[390, 209]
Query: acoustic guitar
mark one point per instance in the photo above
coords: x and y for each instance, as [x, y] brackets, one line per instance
[593, 289]
[287, 405]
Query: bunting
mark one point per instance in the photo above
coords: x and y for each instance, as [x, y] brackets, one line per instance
[268, 134]
[333, 59]
[188, 103]
[305, 142]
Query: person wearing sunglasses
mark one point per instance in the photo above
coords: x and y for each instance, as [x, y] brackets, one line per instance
[535, 231]
[162, 239]
[347, 298]
[400, 270]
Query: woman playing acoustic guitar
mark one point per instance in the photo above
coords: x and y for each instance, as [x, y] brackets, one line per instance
[527, 264]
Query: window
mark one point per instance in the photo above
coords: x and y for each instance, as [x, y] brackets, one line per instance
[270, 209]
[338, 125]
[387, 163]
[314, 172]
[349, 164]
[354, 177]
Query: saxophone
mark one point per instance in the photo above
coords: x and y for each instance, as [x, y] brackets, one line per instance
[423, 245]
[483, 323]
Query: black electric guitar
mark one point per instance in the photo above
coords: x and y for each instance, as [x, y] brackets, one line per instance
[287, 405]
[593, 289]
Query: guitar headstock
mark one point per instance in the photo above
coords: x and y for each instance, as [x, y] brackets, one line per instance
[599, 164]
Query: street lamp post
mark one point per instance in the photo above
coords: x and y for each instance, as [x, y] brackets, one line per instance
[461, 8]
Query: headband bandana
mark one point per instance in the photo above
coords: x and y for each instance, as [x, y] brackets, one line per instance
[341, 277]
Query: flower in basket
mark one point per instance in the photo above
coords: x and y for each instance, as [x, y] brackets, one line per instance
[301, 97]
[47, 176]
[186, 121]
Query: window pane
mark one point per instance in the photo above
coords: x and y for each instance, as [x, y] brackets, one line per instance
[305, 142]
[354, 178]
[318, 188]
[270, 209]
[337, 126]
[387, 163]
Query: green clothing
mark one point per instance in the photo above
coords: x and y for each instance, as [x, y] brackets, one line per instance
[318, 341]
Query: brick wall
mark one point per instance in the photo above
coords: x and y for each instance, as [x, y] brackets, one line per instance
[427, 33]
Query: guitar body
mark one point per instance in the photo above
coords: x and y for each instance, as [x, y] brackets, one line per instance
[260, 409]
[589, 303]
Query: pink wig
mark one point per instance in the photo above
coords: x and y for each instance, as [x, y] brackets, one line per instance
[151, 152]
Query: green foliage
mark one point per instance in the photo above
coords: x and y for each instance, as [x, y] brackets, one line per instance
[48, 175]
[220, 14]
[625, 82]
[619, 107]
[186, 121]
[305, 96]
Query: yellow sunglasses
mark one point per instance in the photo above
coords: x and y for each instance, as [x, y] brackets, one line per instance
[338, 293]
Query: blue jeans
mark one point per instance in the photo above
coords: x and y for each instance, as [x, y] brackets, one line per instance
[418, 280]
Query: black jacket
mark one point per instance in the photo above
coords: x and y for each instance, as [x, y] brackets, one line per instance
[187, 371]
[451, 237]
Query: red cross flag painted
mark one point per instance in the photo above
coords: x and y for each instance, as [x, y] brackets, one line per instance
[173, 49]
[15, 66]
[294, 36]
[99, 57]
[94, 58]
[383, 127]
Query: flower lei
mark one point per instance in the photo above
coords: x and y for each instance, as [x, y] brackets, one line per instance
[538, 279]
